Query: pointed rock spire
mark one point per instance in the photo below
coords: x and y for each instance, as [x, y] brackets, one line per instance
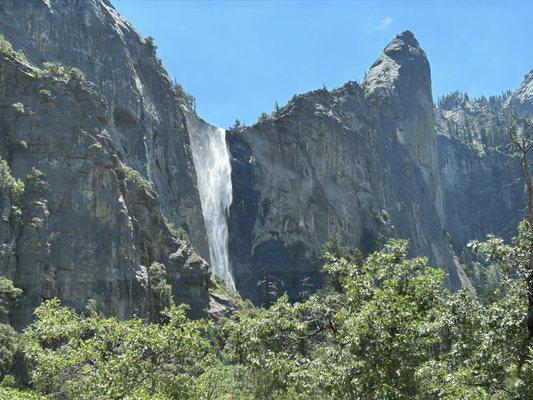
[398, 85]
[402, 69]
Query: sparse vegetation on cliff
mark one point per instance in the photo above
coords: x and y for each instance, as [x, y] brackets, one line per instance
[62, 72]
[6, 47]
[15, 187]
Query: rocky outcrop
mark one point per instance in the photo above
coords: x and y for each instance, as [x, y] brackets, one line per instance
[89, 223]
[360, 160]
[521, 101]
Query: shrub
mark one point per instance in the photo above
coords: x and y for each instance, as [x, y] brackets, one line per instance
[47, 94]
[263, 117]
[62, 72]
[179, 233]
[103, 358]
[160, 290]
[15, 187]
[5, 47]
[189, 99]
[19, 107]
[8, 293]
[135, 177]
[36, 181]
[150, 41]
[16, 394]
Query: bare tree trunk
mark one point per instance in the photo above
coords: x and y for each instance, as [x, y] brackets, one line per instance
[529, 184]
[267, 288]
[524, 145]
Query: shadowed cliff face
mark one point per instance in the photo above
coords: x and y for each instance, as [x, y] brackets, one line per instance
[372, 161]
[481, 181]
[89, 225]
[360, 160]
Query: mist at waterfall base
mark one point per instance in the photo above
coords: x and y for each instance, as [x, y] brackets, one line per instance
[213, 173]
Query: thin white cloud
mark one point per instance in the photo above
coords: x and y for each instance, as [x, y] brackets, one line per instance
[383, 24]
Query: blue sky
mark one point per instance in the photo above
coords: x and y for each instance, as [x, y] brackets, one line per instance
[238, 58]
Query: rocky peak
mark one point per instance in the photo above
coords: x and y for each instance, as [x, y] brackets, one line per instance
[521, 101]
[404, 44]
[401, 69]
[398, 90]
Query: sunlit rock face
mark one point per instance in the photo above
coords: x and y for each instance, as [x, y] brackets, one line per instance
[481, 181]
[521, 101]
[369, 161]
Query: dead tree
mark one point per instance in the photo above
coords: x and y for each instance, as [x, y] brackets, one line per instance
[521, 133]
[271, 286]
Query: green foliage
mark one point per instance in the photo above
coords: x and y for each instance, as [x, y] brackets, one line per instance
[219, 287]
[62, 72]
[19, 107]
[335, 248]
[179, 233]
[8, 339]
[189, 99]
[102, 358]
[6, 47]
[263, 117]
[135, 177]
[8, 293]
[16, 394]
[485, 277]
[15, 187]
[47, 94]
[36, 181]
[386, 330]
[237, 125]
[160, 290]
[150, 41]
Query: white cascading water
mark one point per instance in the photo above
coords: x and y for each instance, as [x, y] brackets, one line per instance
[213, 173]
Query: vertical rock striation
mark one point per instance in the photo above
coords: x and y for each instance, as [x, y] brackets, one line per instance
[480, 179]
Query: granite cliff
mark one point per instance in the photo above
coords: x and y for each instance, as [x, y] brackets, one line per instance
[368, 161]
[360, 160]
[101, 137]
[91, 108]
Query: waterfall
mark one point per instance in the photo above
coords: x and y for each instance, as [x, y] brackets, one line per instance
[213, 173]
